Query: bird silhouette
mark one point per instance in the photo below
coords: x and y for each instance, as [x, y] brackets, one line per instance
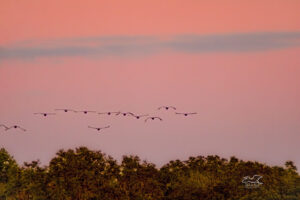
[139, 116]
[15, 126]
[153, 118]
[186, 114]
[85, 111]
[45, 114]
[167, 107]
[98, 128]
[125, 113]
[108, 113]
[65, 110]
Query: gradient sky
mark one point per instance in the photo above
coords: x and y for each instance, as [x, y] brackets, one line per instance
[234, 62]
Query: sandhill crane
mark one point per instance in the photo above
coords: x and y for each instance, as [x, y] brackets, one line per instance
[167, 107]
[65, 110]
[85, 111]
[98, 128]
[108, 113]
[45, 114]
[153, 118]
[125, 113]
[186, 114]
[139, 116]
[15, 126]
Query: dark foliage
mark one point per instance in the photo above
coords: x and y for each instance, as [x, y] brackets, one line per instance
[82, 174]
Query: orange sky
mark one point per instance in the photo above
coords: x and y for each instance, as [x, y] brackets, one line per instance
[33, 19]
[248, 101]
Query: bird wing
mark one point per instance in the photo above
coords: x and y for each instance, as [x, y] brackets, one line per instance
[3, 126]
[177, 113]
[9, 128]
[147, 119]
[102, 113]
[23, 129]
[106, 127]
[60, 109]
[159, 118]
[192, 113]
[160, 107]
[92, 127]
[172, 107]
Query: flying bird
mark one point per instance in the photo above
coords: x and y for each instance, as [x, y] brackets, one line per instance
[85, 111]
[167, 107]
[125, 113]
[15, 126]
[45, 114]
[153, 118]
[98, 128]
[65, 110]
[108, 113]
[186, 114]
[139, 116]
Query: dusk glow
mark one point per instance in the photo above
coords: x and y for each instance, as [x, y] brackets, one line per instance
[236, 63]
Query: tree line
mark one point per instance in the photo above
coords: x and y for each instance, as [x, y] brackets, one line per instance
[83, 174]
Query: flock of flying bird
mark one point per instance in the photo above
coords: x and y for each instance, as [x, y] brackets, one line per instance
[6, 128]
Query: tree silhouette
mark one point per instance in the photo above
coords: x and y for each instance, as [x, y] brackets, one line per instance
[83, 174]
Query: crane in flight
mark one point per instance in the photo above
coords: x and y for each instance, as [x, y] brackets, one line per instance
[45, 114]
[153, 118]
[98, 128]
[108, 113]
[166, 107]
[139, 116]
[85, 111]
[186, 114]
[65, 110]
[15, 127]
[125, 113]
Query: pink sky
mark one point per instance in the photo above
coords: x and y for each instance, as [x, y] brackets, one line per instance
[246, 90]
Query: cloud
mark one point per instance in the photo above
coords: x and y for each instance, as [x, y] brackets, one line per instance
[236, 42]
[136, 45]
